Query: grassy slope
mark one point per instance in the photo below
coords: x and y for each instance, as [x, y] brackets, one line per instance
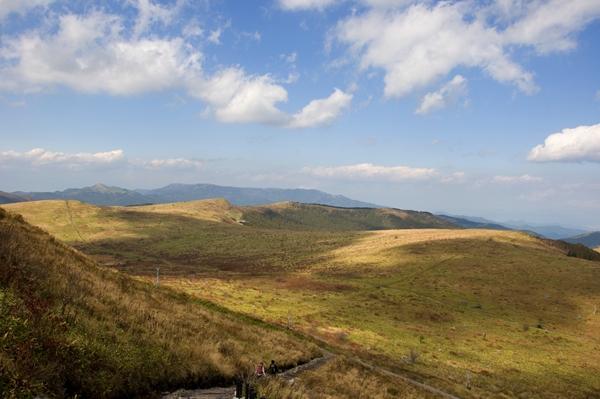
[295, 216]
[69, 326]
[469, 300]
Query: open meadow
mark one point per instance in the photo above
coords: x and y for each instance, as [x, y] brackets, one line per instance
[514, 313]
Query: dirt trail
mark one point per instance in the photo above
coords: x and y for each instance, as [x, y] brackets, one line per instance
[228, 393]
[290, 376]
[74, 225]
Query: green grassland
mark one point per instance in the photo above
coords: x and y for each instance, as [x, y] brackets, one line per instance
[511, 309]
[295, 216]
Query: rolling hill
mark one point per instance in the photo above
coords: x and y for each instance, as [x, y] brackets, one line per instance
[514, 311]
[71, 328]
[306, 217]
[470, 224]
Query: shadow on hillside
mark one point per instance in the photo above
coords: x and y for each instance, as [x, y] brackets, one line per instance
[182, 245]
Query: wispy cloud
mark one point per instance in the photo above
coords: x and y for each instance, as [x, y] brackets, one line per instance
[20, 6]
[85, 160]
[516, 179]
[446, 97]
[486, 152]
[306, 4]
[538, 195]
[367, 171]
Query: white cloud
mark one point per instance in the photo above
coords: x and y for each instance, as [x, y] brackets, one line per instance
[214, 36]
[291, 58]
[445, 97]
[235, 97]
[39, 157]
[550, 25]
[89, 54]
[149, 13]
[192, 29]
[517, 179]
[571, 145]
[307, 4]
[420, 44]
[85, 160]
[321, 112]
[173, 163]
[92, 54]
[370, 171]
[417, 43]
[456, 177]
[252, 36]
[20, 6]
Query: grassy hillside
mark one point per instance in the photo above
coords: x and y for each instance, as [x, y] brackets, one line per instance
[69, 327]
[295, 216]
[514, 311]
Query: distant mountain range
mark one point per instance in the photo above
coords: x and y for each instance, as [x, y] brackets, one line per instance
[10, 198]
[554, 232]
[110, 196]
[591, 239]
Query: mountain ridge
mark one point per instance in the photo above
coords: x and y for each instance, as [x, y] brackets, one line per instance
[553, 231]
[104, 195]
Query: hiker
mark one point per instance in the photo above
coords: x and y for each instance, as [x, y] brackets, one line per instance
[260, 370]
[273, 369]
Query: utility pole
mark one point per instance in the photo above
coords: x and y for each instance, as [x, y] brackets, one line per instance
[157, 278]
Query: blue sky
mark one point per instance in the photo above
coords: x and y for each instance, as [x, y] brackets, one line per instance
[486, 108]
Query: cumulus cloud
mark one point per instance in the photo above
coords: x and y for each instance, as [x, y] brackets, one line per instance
[84, 160]
[96, 53]
[370, 171]
[420, 44]
[89, 54]
[321, 112]
[579, 144]
[236, 97]
[517, 179]
[417, 43]
[550, 25]
[20, 6]
[445, 97]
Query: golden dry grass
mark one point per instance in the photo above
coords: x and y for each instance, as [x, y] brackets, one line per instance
[69, 326]
[469, 300]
